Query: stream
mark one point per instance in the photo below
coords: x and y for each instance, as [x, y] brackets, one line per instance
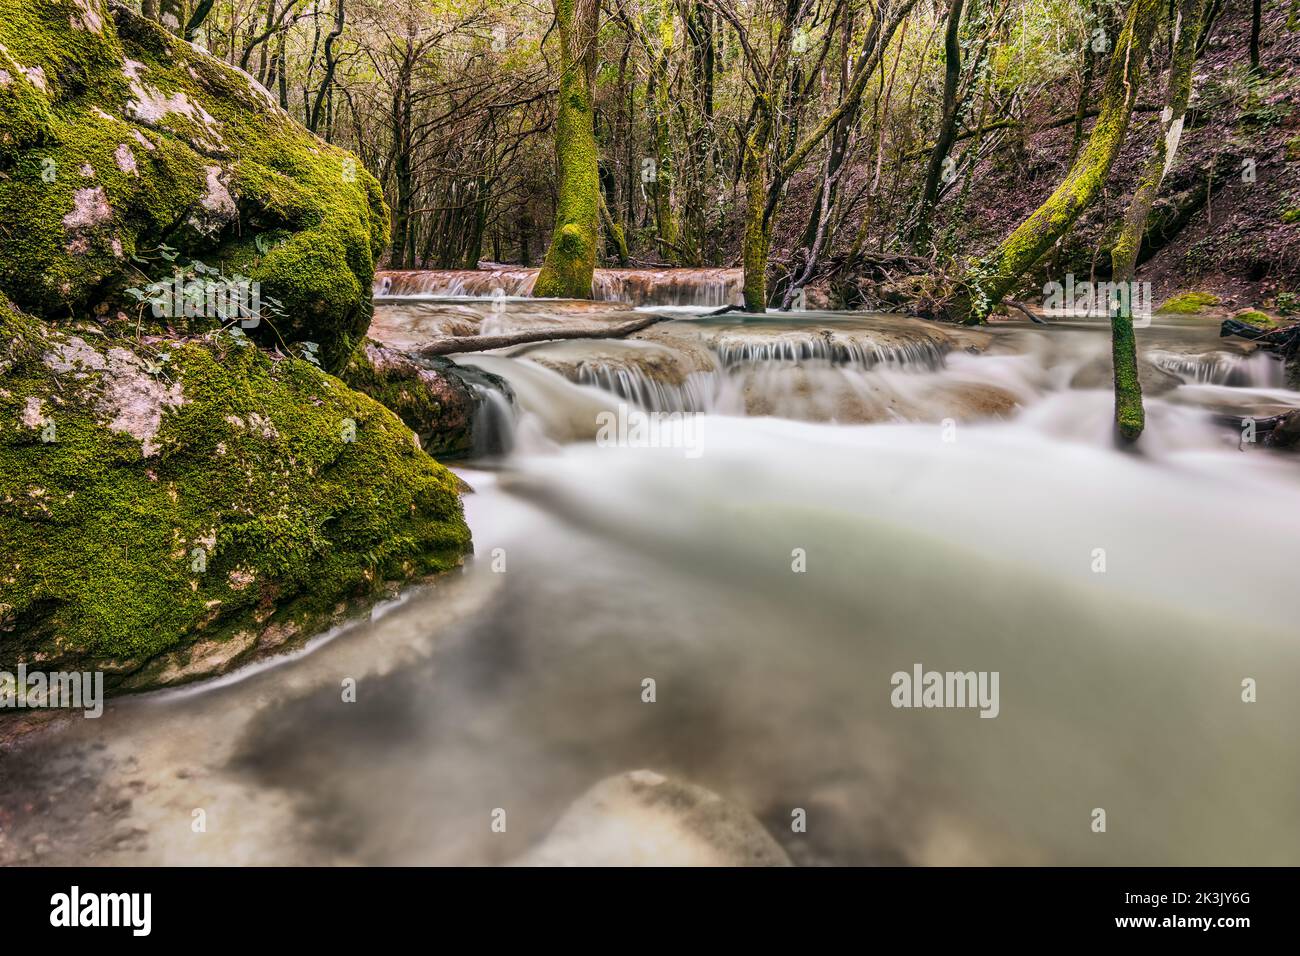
[803, 505]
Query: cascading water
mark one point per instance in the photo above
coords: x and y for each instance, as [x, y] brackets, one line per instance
[1258, 370]
[968, 513]
[705, 288]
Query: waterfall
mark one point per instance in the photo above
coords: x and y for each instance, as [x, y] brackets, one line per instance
[697, 393]
[1256, 370]
[455, 283]
[702, 288]
[813, 346]
[494, 423]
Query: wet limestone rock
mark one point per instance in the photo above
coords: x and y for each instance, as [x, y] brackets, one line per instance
[643, 818]
[171, 509]
[120, 143]
[427, 394]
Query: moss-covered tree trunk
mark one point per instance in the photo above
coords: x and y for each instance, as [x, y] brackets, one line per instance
[991, 280]
[758, 229]
[1129, 416]
[571, 259]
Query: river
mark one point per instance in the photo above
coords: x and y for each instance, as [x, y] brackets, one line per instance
[825, 499]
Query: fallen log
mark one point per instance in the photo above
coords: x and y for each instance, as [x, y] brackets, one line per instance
[1285, 339]
[1013, 304]
[454, 344]
[1242, 330]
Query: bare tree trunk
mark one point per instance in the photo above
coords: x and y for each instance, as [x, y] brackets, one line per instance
[197, 19]
[1081, 106]
[331, 62]
[453, 344]
[947, 125]
[1256, 14]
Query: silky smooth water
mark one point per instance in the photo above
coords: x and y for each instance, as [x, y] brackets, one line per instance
[933, 525]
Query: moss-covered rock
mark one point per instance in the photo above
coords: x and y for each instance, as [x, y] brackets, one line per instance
[169, 509]
[1260, 320]
[1188, 303]
[122, 148]
[430, 399]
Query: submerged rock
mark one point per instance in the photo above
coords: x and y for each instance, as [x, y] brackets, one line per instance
[643, 818]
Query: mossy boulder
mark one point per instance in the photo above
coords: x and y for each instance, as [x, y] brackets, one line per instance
[172, 508]
[123, 149]
[1188, 303]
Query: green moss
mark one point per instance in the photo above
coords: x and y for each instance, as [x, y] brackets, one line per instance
[254, 466]
[1290, 217]
[1188, 303]
[1256, 318]
[430, 398]
[1293, 149]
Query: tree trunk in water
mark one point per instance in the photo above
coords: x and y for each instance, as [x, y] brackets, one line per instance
[571, 259]
[987, 284]
[1129, 416]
